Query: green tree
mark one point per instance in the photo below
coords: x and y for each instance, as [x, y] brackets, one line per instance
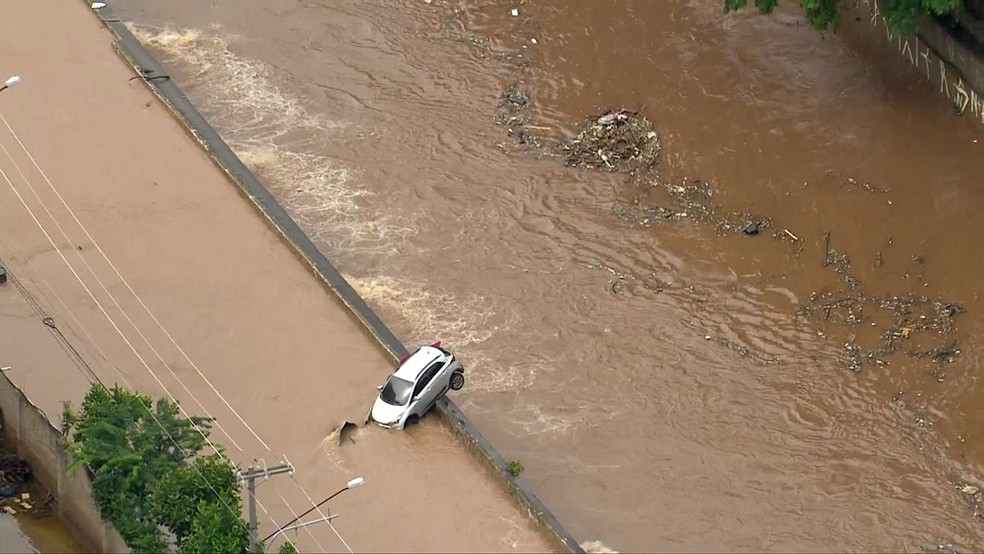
[900, 15]
[206, 488]
[149, 474]
[215, 529]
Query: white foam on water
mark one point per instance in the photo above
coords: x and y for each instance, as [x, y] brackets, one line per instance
[429, 311]
[265, 128]
[596, 547]
[464, 324]
[533, 420]
[238, 90]
[323, 200]
[331, 448]
[510, 540]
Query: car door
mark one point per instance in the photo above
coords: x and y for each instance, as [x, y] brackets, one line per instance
[442, 383]
[419, 402]
[429, 393]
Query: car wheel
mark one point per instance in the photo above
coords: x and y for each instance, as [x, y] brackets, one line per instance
[457, 380]
[411, 420]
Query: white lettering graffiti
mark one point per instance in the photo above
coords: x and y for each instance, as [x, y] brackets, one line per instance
[944, 84]
[925, 57]
[909, 50]
[962, 97]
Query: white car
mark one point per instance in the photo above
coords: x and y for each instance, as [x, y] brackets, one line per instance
[420, 380]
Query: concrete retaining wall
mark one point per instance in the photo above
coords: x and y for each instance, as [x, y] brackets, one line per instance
[42, 445]
[948, 51]
[160, 83]
[961, 44]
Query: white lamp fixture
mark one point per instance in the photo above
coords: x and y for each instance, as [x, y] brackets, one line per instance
[356, 483]
[10, 82]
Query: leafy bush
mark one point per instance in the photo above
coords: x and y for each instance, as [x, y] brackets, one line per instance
[150, 476]
[899, 15]
[288, 548]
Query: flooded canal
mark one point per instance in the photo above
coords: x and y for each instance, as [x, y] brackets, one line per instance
[25, 529]
[21, 535]
[667, 386]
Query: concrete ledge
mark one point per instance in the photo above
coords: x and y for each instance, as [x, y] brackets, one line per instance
[43, 447]
[164, 88]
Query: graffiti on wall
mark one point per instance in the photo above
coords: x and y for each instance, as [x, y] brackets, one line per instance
[922, 57]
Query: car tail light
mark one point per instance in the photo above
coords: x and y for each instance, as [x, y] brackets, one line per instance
[452, 359]
[437, 344]
[404, 358]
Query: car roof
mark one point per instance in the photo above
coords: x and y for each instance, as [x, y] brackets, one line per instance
[420, 360]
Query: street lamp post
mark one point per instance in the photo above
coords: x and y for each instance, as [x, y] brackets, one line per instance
[10, 82]
[297, 526]
[353, 484]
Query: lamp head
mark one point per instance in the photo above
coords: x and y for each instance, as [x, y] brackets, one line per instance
[356, 483]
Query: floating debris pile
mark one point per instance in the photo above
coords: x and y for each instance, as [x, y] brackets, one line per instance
[513, 112]
[974, 496]
[620, 141]
[624, 141]
[16, 480]
[909, 317]
[691, 200]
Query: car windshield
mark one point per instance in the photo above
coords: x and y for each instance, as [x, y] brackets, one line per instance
[397, 391]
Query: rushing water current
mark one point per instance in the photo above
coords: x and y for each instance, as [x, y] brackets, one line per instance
[658, 383]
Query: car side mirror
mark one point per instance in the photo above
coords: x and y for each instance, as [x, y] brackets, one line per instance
[379, 387]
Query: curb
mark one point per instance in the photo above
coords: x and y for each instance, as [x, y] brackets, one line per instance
[168, 92]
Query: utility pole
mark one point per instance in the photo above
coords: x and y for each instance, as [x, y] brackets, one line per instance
[250, 476]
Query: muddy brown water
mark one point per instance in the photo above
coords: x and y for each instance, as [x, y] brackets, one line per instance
[290, 357]
[21, 531]
[696, 415]
[20, 535]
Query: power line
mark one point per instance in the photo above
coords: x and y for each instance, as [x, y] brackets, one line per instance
[93, 297]
[77, 360]
[122, 279]
[332, 527]
[130, 288]
[113, 323]
[113, 298]
[326, 518]
[135, 295]
[91, 345]
[250, 475]
[37, 307]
